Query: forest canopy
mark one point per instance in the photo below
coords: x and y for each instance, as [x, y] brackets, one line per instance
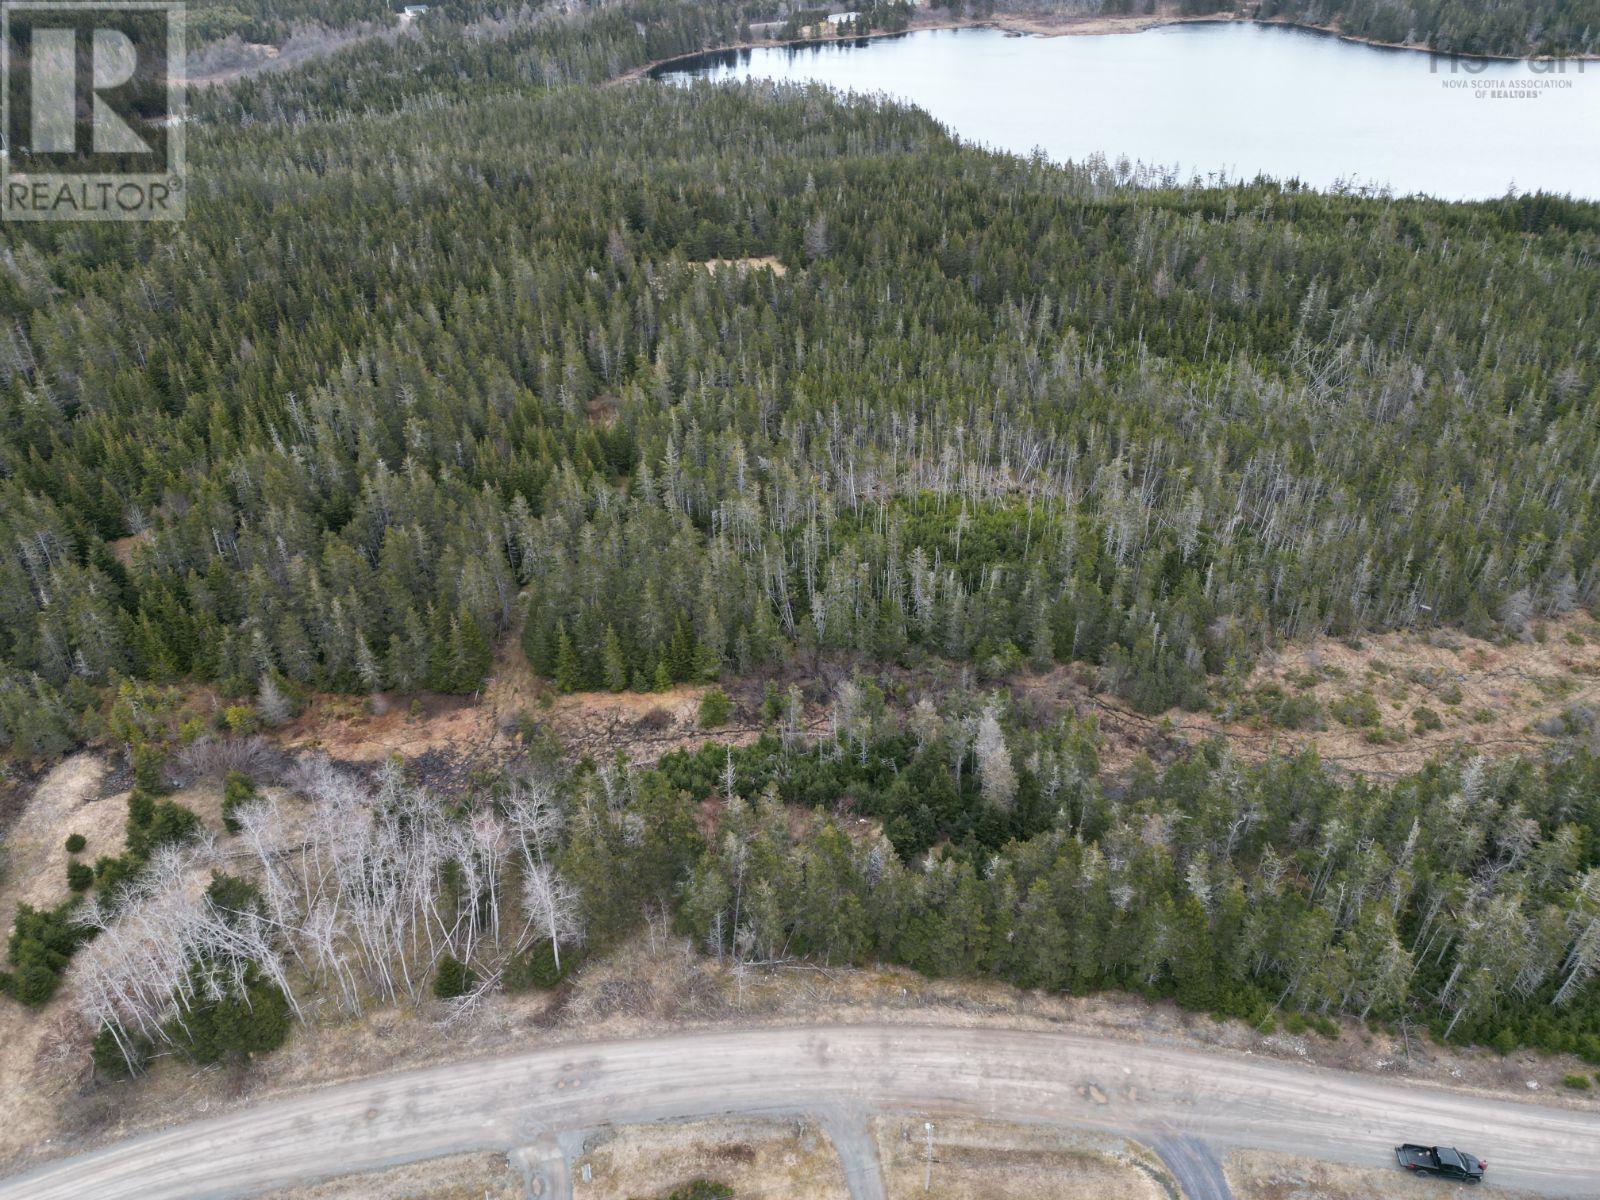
[459, 349]
[419, 374]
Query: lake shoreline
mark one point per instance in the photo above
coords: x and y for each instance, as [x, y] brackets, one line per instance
[1045, 26]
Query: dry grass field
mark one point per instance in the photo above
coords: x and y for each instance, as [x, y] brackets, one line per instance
[988, 1160]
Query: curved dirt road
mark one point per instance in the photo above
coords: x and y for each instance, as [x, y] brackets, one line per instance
[842, 1074]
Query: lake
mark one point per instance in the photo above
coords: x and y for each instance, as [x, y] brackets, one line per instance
[1228, 99]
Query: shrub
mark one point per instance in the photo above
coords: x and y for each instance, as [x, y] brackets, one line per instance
[1326, 1026]
[241, 718]
[238, 790]
[149, 769]
[454, 979]
[536, 968]
[112, 1057]
[1297, 712]
[1426, 719]
[76, 842]
[233, 895]
[702, 1189]
[80, 876]
[111, 873]
[1578, 1083]
[1359, 711]
[236, 1026]
[41, 944]
[715, 709]
[153, 823]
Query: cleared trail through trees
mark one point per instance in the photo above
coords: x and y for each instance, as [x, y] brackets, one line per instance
[1146, 1091]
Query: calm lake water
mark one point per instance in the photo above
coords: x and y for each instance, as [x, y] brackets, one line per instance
[1235, 99]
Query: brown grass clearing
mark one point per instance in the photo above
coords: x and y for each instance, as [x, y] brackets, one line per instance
[486, 728]
[64, 802]
[1258, 1175]
[41, 1051]
[122, 548]
[991, 1160]
[1488, 697]
[754, 1158]
[761, 262]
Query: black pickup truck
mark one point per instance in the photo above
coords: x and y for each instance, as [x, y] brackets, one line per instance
[1442, 1161]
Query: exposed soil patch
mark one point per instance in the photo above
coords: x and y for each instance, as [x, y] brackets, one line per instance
[765, 262]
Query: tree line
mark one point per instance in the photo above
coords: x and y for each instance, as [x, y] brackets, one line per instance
[964, 837]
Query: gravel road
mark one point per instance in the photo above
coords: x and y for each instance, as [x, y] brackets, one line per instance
[1200, 1104]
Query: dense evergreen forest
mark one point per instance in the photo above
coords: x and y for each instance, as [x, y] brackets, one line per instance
[1523, 27]
[1468, 895]
[1504, 28]
[270, 22]
[436, 361]
[411, 362]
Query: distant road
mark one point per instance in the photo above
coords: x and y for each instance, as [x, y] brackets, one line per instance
[1177, 1098]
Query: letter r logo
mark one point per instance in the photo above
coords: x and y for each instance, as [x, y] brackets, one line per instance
[93, 109]
[54, 64]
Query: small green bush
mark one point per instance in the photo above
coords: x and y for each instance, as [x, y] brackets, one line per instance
[1359, 711]
[241, 719]
[109, 1057]
[701, 1189]
[236, 1026]
[153, 823]
[232, 895]
[149, 769]
[238, 790]
[715, 709]
[1578, 1083]
[111, 873]
[454, 979]
[536, 968]
[76, 842]
[80, 876]
[42, 943]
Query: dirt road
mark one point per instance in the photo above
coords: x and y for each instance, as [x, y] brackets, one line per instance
[1179, 1097]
